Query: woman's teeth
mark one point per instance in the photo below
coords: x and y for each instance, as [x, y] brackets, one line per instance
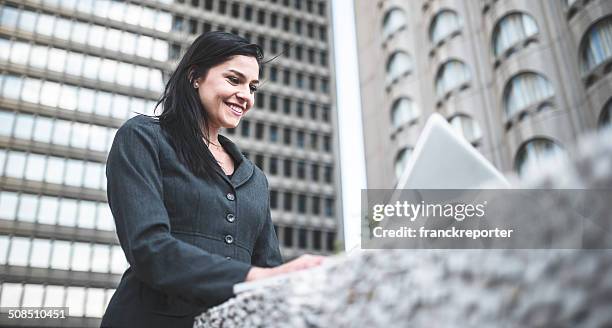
[237, 110]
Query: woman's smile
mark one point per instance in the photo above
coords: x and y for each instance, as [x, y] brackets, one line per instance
[235, 109]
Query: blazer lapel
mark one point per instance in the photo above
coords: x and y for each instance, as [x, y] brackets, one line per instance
[243, 169]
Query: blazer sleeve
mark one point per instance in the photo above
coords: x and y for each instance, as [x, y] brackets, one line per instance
[266, 252]
[157, 258]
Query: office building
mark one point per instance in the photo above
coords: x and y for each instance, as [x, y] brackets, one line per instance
[73, 71]
[519, 79]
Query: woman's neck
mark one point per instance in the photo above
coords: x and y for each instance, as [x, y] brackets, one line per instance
[213, 135]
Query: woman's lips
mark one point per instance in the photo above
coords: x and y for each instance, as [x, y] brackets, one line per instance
[236, 110]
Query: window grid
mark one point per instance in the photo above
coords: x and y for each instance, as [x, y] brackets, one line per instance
[128, 13]
[62, 255]
[82, 65]
[54, 210]
[54, 169]
[56, 131]
[93, 301]
[87, 34]
[68, 212]
[69, 97]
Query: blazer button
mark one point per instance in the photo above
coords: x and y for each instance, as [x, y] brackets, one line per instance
[230, 196]
[229, 239]
[230, 217]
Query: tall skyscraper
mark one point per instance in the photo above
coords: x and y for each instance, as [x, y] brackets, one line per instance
[73, 71]
[519, 79]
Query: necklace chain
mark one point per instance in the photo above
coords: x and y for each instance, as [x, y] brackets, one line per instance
[219, 148]
[214, 144]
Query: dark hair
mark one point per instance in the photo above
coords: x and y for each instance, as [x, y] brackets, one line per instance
[183, 117]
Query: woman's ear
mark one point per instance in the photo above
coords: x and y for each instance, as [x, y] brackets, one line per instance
[191, 74]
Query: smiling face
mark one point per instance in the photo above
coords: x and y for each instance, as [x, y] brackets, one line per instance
[227, 90]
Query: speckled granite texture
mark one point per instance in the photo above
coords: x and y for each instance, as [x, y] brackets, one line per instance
[450, 288]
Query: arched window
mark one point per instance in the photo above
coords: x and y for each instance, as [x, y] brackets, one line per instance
[403, 111]
[445, 23]
[606, 114]
[532, 152]
[511, 30]
[467, 126]
[596, 46]
[451, 75]
[524, 90]
[393, 21]
[399, 63]
[401, 160]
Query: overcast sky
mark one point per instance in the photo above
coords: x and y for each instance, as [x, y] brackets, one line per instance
[352, 164]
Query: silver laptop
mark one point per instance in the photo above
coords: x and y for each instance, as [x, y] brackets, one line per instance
[443, 159]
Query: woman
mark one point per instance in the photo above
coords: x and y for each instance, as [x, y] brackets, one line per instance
[191, 212]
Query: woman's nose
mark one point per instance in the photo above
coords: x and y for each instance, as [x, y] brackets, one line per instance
[244, 99]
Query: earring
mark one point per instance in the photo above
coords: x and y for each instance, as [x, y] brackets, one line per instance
[195, 85]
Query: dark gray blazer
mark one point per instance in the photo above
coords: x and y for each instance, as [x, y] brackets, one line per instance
[187, 239]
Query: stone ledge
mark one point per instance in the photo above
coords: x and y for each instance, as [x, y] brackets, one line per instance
[450, 288]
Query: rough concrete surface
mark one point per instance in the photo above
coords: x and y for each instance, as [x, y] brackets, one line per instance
[452, 288]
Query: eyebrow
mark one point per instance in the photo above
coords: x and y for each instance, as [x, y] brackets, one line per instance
[242, 75]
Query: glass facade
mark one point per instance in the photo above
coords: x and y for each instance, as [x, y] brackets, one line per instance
[82, 301]
[61, 255]
[54, 210]
[71, 72]
[80, 65]
[56, 131]
[72, 97]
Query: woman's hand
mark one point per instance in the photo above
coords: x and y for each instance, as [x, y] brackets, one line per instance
[303, 262]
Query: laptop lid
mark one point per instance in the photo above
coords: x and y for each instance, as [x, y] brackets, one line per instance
[443, 159]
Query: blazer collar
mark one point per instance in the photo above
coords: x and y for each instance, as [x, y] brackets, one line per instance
[243, 169]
